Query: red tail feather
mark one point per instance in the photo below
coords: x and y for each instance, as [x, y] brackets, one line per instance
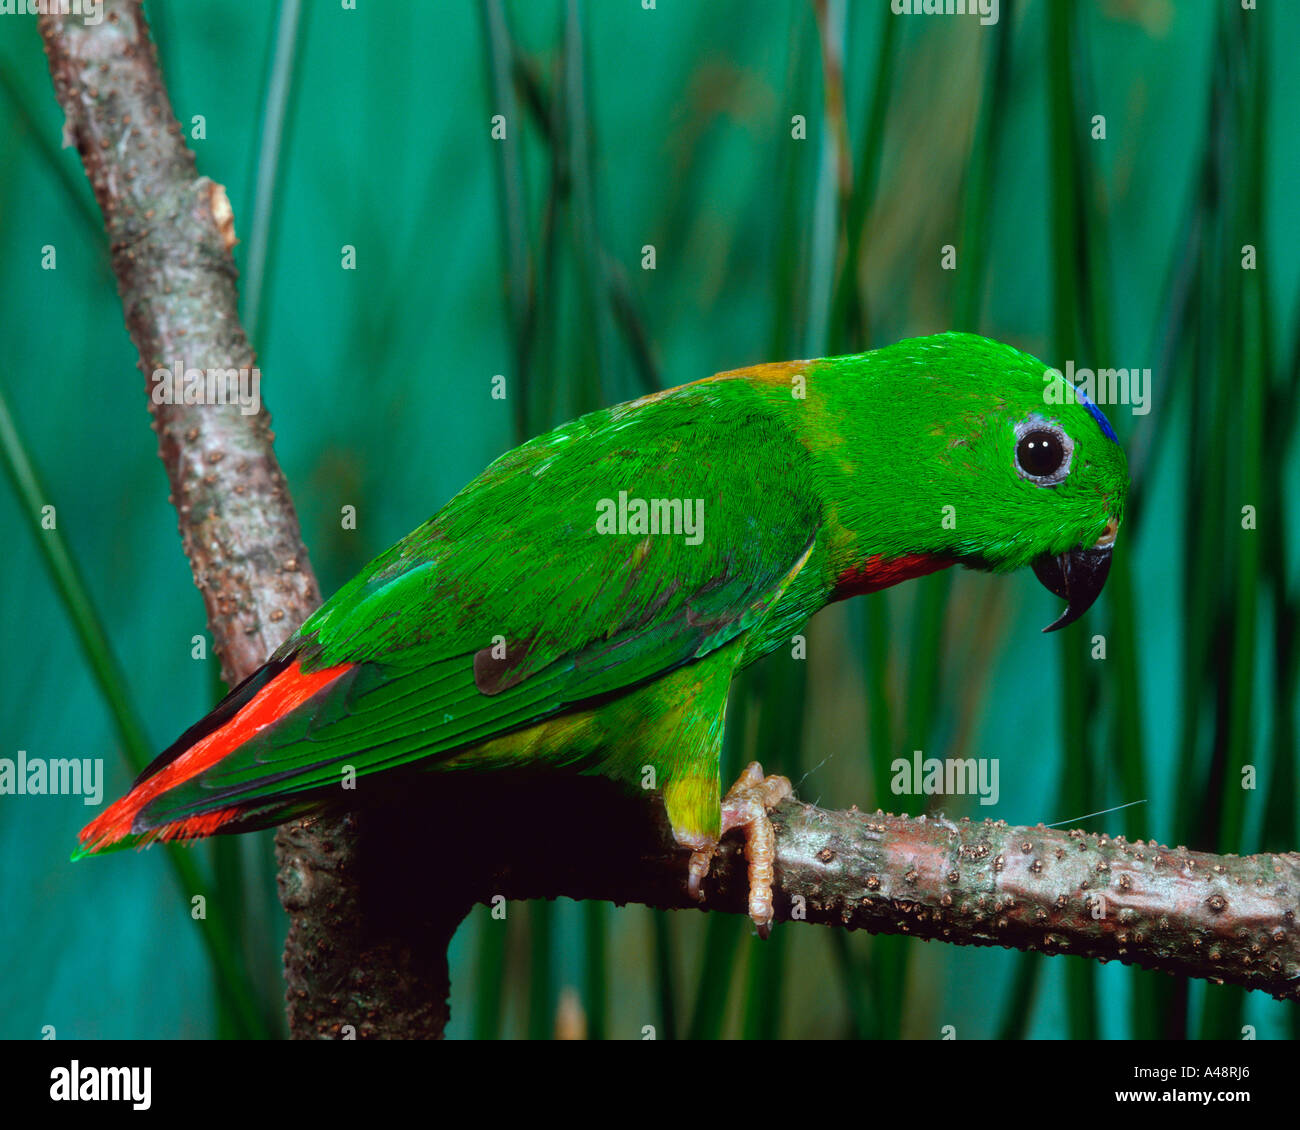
[287, 691]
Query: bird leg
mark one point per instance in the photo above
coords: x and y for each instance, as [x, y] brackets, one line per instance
[746, 806]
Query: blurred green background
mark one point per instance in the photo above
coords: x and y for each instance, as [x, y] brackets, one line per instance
[671, 128]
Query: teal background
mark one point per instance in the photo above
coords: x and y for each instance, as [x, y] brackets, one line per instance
[675, 130]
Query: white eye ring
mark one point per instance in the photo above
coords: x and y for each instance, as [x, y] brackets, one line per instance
[1035, 436]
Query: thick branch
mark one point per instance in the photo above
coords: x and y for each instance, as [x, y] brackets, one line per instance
[1225, 918]
[170, 233]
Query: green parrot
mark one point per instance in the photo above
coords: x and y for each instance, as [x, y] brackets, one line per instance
[586, 602]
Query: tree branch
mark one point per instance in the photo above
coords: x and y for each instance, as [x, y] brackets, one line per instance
[368, 930]
[171, 232]
[1229, 919]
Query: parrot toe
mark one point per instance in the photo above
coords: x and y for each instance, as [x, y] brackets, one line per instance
[746, 806]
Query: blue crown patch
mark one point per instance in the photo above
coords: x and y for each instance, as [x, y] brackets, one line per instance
[1097, 414]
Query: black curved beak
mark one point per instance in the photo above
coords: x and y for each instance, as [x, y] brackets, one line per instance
[1078, 576]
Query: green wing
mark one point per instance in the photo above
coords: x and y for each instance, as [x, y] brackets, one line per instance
[509, 607]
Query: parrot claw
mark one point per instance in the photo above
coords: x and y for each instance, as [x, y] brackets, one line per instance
[746, 806]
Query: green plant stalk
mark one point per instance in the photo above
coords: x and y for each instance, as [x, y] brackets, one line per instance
[1018, 1008]
[1200, 609]
[1250, 364]
[1225, 1008]
[272, 144]
[593, 282]
[850, 320]
[786, 330]
[722, 942]
[1066, 236]
[489, 975]
[1279, 828]
[72, 591]
[541, 979]
[227, 899]
[1189, 303]
[985, 147]
[516, 262]
[596, 971]
[862, 1019]
[665, 951]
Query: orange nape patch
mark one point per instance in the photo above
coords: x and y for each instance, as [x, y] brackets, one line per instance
[879, 572]
[286, 692]
[769, 373]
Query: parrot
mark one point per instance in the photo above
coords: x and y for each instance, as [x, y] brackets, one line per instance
[585, 603]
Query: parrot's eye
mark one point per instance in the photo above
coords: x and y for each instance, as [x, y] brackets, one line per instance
[1043, 453]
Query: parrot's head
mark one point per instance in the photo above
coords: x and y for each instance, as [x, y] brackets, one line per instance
[966, 450]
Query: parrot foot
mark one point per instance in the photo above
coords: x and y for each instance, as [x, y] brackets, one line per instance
[746, 806]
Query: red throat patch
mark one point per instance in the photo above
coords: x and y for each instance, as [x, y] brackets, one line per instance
[880, 572]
